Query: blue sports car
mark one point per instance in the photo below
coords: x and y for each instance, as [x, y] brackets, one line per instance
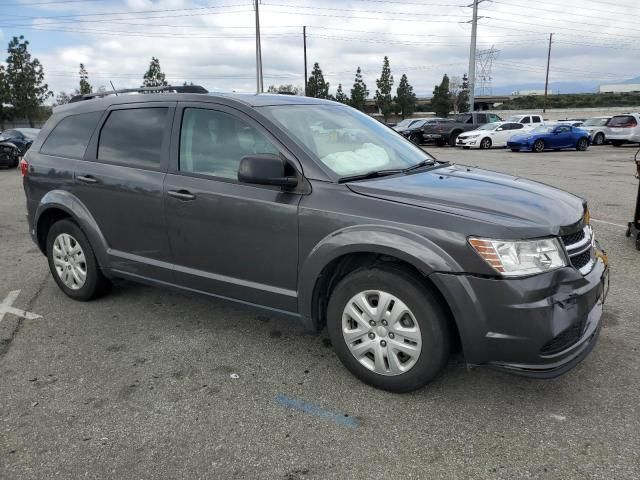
[550, 137]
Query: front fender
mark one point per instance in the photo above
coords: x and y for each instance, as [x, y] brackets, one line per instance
[404, 245]
[70, 204]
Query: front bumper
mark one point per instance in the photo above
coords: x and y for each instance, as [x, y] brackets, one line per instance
[523, 146]
[541, 326]
[432, 136]
[468, 142]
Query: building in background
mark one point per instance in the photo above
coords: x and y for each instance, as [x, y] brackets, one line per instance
[619, 88]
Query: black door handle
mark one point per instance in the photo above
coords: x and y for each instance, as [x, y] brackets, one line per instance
[181, 194]
[86, 179]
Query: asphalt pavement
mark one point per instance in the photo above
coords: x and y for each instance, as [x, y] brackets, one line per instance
[149, 383]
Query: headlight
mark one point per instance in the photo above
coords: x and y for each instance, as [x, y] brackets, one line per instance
[472, 136]
[520, 258]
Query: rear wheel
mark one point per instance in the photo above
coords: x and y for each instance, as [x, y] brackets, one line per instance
[582, 145]
[452, 138]
[538, 146]
[485, 143]
[73, 263]
[415, 139]
[387, 329]
[598, 139]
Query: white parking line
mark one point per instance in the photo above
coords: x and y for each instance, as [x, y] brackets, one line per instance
[6, 307]
[608, 223]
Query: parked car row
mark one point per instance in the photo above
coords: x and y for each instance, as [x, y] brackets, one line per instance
[529, 131]
[14, 143]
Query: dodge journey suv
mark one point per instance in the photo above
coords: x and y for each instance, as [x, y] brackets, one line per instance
[310, 209]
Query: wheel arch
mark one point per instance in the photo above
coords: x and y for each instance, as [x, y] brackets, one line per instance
[354, 247]
[59, 204]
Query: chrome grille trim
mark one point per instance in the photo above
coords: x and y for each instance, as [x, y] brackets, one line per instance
[577, 250]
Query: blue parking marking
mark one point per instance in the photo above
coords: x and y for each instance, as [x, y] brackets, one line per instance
[312, 409]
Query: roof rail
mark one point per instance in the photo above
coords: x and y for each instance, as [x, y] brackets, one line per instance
[167, 88]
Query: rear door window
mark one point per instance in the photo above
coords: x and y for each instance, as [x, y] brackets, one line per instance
[133, 137]
[623, 121]
[71, 135]
[482, 118]
[536, 119]
[526, 120]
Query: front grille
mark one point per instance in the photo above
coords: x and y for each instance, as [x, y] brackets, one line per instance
[573, 238]
[563, 340]
[579, 246]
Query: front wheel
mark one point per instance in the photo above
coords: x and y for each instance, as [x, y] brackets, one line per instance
[598, 139]
[538, 146]
[485, 143]
[387, 329]
[415, 139]
[73, 263]
[582, 145]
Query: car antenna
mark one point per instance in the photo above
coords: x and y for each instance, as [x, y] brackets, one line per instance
[114, 88]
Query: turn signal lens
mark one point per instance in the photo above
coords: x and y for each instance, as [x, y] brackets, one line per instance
[24, 167]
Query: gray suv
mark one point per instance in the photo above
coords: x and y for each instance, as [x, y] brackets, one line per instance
[312, 210]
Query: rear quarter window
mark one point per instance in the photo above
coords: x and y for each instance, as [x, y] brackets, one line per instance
[623, 121]
[70, 137]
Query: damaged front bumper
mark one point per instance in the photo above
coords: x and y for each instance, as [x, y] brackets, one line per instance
[540, 326]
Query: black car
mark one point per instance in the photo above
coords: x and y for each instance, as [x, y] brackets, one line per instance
[312, 210]
[14, 143]
[413, 128]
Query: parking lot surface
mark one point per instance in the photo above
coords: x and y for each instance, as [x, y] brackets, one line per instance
[149, 383]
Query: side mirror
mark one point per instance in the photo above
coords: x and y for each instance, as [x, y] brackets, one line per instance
[265, 169]
[499, 129]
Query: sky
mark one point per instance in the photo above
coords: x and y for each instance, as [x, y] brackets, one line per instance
[212, 43]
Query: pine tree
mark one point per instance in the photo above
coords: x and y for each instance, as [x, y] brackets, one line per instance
[405, 99]
[463, 95]
[85, 86]
[341, 96]
[24, 77]
[316, 86]
[441, 101]
[154, 76]
[359, 92]
[383, 98]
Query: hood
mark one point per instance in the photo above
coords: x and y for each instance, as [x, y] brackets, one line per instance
[489, 196]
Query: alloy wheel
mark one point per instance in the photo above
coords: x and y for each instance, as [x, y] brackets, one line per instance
[381, 332]
[69, 261]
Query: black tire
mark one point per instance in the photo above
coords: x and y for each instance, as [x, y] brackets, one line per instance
[617, 143]
[96, 284]
[582, 144]
[440, 143]
[485, 143]
[598, 139]
[427, 310]
[515, 149]
[15, 163]
[538, 146]
[415, 139]
[452, 138]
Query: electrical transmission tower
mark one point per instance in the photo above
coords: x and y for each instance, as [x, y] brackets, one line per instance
[484, 65]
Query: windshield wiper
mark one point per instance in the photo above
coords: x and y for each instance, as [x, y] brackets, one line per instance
[373, 174]
[427, 162]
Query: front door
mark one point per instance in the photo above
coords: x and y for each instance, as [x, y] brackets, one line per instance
[562, 137]
[229, 239]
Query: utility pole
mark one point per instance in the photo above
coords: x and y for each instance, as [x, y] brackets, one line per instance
[304, 36]
[546, 82]
[259, 83]
[472, 55]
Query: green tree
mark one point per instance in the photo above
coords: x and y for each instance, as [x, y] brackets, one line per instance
[405, 99]
[316, 86]
[85, 86]
[4, 98]
[341, 96]
[383, 97]
[359, 92]
[441, 101]
[154, 76]
[289, 89]
[62, 98]
[460, 94]
[24, 77]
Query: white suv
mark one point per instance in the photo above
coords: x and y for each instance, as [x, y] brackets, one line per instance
[531, 120]
[624, 128]
[597, 128]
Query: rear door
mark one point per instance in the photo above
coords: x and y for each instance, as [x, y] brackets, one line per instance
[229, 239]
[120, 181]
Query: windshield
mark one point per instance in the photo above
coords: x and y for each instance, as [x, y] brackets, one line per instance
[344, 139]
[489, 126]
[405, 123]
[5, 136]
[543, 129]
[596, 122]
